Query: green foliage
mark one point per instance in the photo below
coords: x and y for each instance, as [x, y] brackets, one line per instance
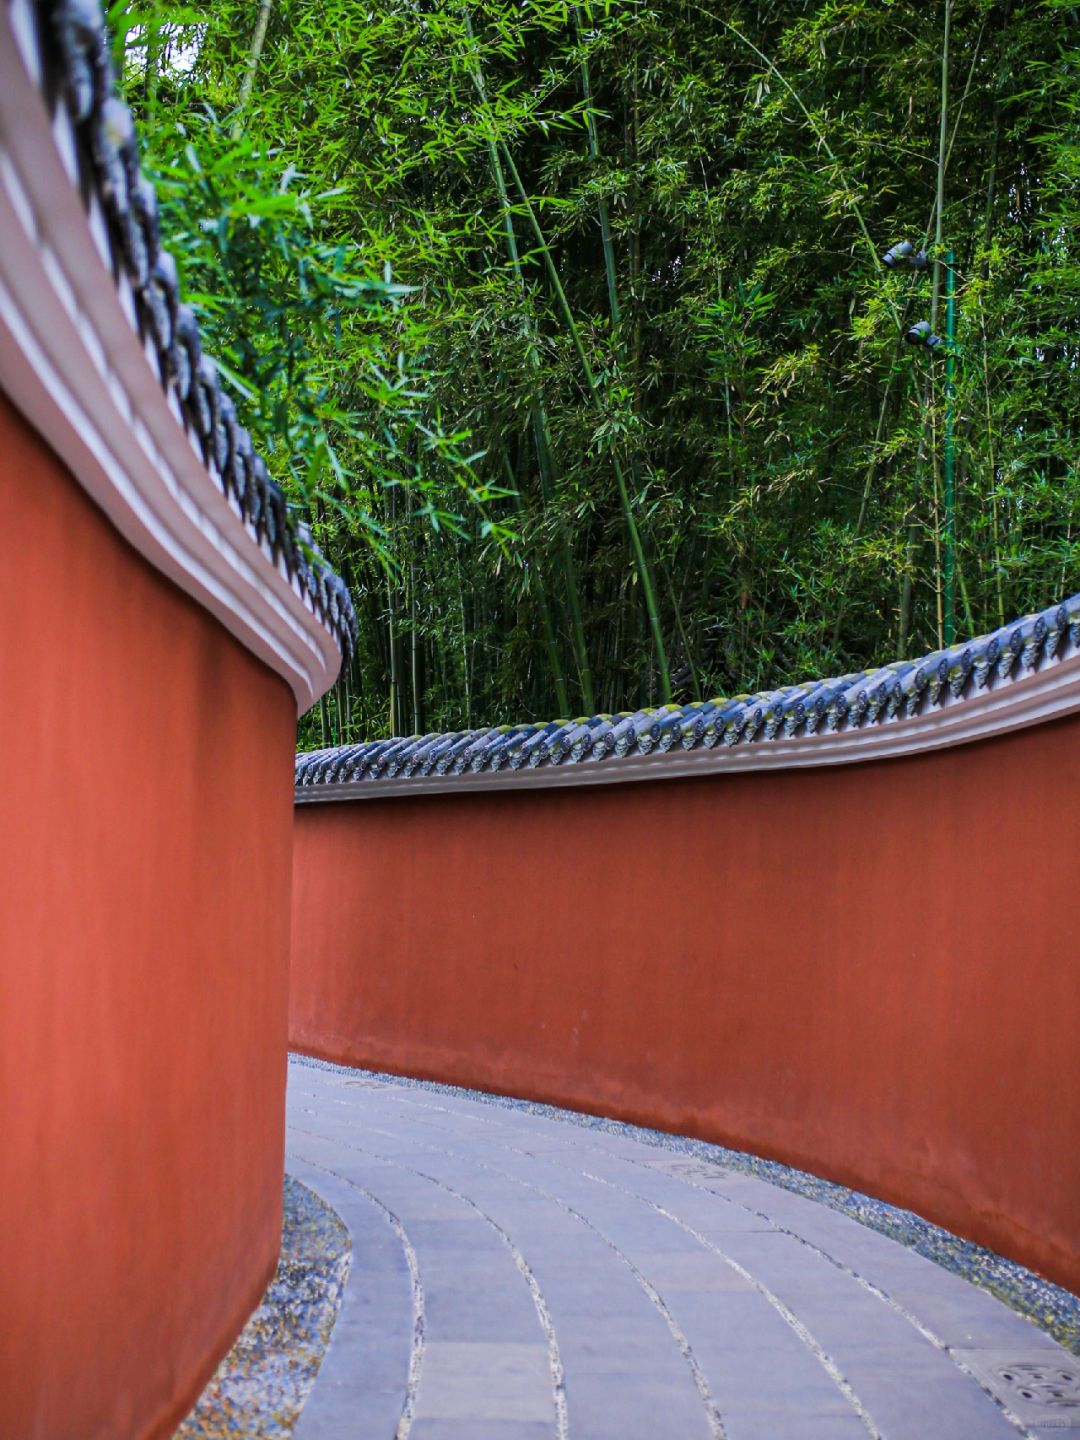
[651, 410]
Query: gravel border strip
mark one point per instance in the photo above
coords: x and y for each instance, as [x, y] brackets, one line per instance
[259, 1389]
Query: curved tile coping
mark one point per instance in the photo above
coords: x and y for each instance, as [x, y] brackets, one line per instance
[1047, 1305]
[101, 356]
[1018, 675]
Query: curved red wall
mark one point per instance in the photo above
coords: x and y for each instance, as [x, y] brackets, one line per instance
[868, 971]
[145, 830]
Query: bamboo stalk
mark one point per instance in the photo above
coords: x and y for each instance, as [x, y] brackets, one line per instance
[594, 152]
[611, 276]
[815, 127]
[258, 40]
[644, 575]
[562, 701]
[464, 648]
[695, 681]
[414, 655]
[394, 699]
[541, 426]
[907, 591]
[938, 588]
[911, 546]
[993, 474]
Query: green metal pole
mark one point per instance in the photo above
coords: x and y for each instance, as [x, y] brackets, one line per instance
[950, 471]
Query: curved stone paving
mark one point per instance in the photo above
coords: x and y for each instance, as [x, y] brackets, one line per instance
[518, 1277]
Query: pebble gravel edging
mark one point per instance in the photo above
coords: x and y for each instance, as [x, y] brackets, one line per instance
[260, 1387]
[1051, 1308]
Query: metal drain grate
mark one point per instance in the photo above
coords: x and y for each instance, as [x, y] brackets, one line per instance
[1042, 1390]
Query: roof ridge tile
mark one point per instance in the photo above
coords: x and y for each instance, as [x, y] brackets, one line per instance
[882, 695]
[76, 45]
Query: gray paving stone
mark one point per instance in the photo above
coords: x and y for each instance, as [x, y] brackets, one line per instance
[770, 1365]
[675, 1271]
[901, 1378]
[462, 1231]
[641, 1406]
[910, 1405]
[755, 1362]
[462, 1303]
[485, 1380]
[481, 1430]
[795, 1425]
[957, 1312]
[361, 1382]
[599, 1344]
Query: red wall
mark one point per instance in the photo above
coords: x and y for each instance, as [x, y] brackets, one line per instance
[867, 971]
[145, 831]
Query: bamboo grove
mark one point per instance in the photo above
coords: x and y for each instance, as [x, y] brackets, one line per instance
[567, 327]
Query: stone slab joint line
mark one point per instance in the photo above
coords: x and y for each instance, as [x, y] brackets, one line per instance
[558, 1376]
[716, 1423]
[789, 1317]
[918, 1325]
[416, 1352]
[786, 1315]
[820, 1354]
[913, 1320]
[712, 1412]
[1048, 1307]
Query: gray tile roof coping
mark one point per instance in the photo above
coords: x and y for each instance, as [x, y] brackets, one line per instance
[79, 74]
[865, 700]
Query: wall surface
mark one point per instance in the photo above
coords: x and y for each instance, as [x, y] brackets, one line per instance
[145, 830]
[867, 971]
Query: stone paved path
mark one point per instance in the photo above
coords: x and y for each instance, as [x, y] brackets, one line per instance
[517, 1277]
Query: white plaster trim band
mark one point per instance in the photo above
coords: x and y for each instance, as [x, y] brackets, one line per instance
[1044, 694]
[72, 360]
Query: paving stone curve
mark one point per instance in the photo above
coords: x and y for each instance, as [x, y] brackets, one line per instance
[569, 1281]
